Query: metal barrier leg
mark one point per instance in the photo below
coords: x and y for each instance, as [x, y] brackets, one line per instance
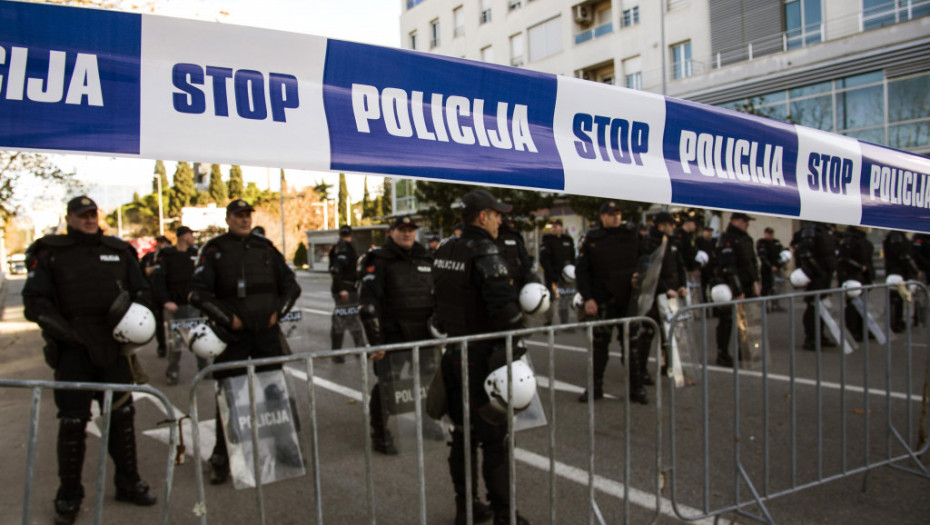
[31, 454]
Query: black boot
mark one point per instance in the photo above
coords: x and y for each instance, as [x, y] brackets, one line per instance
[480, 512]
[724, 359]
[122, 447]
[71, 447]
[598, 393]
[382, 441]
[637, 391]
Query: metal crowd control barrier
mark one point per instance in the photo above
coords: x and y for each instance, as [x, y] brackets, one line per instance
[107, 389]
[625, 325]
[759, 466]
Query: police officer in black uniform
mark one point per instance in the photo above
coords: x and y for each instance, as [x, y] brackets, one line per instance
[148, 268]
[815, 252]
[432, 243]
[738, 268]
[73, 281]
[512, 248]
[920, 248]
[898, 261]
[556, 251]
[174, 266]
[672, 282]
[604, 272]
[342, 266]
[683, 238]
[706, 243]
[243, 285]
[395, 304]
[769, 249]
[855, 263]
[475, 295]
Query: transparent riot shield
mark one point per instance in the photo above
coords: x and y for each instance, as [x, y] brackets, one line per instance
[396, 390]
[681, 365]
[566, 291]
[828, 313]
[749, 326]
[295, 328]
[868, 316]
[644, 290]
[279, 452]
[179, 324]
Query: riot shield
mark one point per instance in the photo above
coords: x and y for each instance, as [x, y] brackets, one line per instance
[833, 329]
[866, 314]
[680, 354]
[295, 329]
[396, 390]
[179, 324]
[749, 325]
[644, 290]
[279, 451]
[566, 291]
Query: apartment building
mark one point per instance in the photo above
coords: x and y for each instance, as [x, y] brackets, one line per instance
[855, 67]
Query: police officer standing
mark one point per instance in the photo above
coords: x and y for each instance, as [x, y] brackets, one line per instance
[705, 243]
[148, 268]
[556, 251]
[74, 280]
[395, 304]
[855, 264]
[342, 266]
[243, 285]
[604, 272]
[898, 261]
[738, 268]
[475, 295]
[920, 247]
[174, 266]
[815, 252]
[769, 250]
[512, 248]
[673, 282]
[683, 238]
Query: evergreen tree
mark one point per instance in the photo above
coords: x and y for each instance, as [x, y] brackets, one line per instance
[343, 198]
[217, 189]
[367, 208]
[183, 192]
[438, 198]
[590, 208]
[387, 202]
[236, 186]
[300, 256]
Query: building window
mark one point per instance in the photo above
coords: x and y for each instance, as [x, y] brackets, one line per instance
[634, 80]
[545, 39]
[599, 16]
[413, 40]
[681, 60]
[633, 73]
[405, 197]
[485, 16]
[631, 16]
[434, 34]
[458, 21]
[803, 23]
[487, 54]
[516, 50]
[513, 5]
[881, 13]
[412, 3]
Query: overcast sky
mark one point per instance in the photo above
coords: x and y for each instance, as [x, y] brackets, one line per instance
[113, 180]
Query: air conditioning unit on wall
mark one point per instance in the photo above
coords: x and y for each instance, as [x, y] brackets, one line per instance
[584, 15]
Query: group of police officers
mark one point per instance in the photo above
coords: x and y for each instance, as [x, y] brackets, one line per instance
[84, 288]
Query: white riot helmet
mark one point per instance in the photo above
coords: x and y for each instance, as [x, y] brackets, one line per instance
[568, 272]
[534, 298]
[853, 288]
[785, 256]
[205, 343]
[894, 279]
[136, 326]
[577, 302]
[701, 257]
[524, 387]
[799, 279]
[721, 293]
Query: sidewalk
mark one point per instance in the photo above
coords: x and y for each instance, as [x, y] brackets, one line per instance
[20, 340]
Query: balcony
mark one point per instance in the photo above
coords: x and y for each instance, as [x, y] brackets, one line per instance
[593, 33]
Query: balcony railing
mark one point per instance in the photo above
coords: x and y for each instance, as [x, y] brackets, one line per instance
[593, 33]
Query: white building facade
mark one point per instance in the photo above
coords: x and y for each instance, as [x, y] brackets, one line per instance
[855, 67]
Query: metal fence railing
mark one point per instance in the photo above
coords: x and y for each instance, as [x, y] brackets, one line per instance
[105, 411]
[786, 432]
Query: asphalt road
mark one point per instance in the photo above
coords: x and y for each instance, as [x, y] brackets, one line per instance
[804, 424]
